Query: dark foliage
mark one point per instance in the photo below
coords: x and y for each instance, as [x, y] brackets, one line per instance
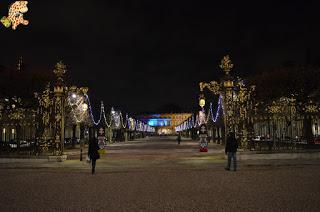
[302, 82]
[23, 83]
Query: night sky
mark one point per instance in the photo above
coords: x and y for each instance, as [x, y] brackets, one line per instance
[139, 55]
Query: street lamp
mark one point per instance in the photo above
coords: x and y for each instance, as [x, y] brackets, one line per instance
[79, 110]
[236, 102]
[84, 107]
[202, 100]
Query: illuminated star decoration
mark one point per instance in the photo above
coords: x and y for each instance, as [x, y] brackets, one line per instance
[15, 16]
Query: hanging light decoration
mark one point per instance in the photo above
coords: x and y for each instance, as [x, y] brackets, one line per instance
[202, 100]
[117, 118]
[193, 123]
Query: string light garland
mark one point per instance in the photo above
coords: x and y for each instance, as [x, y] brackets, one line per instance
[220, 106]
[124, 123]
[118, 120]
[194, 122]
[105, 118]
[91, 114]
[209, 113]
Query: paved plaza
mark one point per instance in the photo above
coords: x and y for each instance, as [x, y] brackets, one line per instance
[157, 174]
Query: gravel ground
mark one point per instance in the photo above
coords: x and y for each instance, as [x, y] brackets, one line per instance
[276, 189]
[160, 188]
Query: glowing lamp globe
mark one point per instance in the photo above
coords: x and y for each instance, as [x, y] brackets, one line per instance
[202, 102]
[84, 107]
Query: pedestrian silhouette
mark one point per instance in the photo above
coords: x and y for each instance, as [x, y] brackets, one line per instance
[231, 150]
[93, 153]
[179, 138]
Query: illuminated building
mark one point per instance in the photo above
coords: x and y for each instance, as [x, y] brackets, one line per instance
[165, 123]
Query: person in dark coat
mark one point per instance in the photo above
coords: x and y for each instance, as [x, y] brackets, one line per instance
[179, 138]
[231, 150]
[93, 153]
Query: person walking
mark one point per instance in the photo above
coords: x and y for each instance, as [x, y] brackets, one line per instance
[93, 153]
[231, 150]
[179, 138]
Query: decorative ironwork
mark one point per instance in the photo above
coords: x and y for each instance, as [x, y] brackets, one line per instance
[273, 109]
[311, 107]
[59, 117]
[60, 70]
[17, 114]
[44, 114]
[226, 64]
[236, 101]
[213, 86]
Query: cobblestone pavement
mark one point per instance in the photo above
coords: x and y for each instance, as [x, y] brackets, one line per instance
[158, 175]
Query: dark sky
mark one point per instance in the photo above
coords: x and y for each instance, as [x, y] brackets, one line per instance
[138, 55]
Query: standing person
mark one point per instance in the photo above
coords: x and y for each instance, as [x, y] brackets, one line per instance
[93, 153]
[179, 138]
[231, 150]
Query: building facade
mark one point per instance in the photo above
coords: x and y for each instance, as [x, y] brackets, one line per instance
[165, 123]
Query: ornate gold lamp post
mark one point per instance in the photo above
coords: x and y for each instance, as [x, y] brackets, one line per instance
[224, 88]
[78, 109]
[59, 108]
[53, 107]
[236, 100]
[227, 93]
